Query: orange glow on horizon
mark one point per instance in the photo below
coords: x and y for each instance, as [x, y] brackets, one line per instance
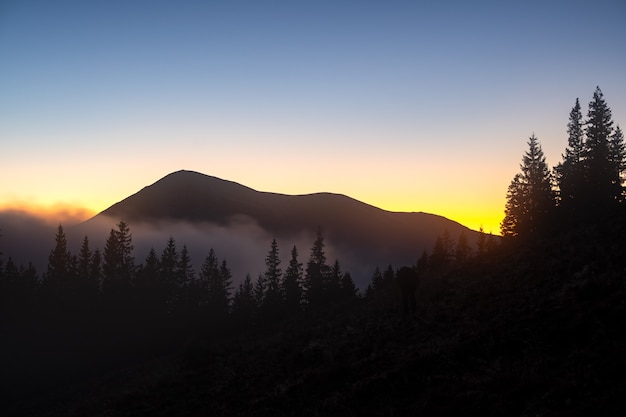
[53, 214]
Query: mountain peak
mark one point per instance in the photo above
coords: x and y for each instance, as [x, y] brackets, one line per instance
[353, 228]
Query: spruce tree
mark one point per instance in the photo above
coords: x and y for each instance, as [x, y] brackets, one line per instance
[185, 271]
[89, 284]
[118, 263]
[600, 193]
[463, 250]
[216, 281]
[292, 287]
[333, 286]
[530, 198]
[273, 297]
[317, 272]
[244, 306]
[348, 287]
[58, 275]
[169, 262]
[570, 173]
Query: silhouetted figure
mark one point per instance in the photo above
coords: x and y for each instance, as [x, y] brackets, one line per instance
[407, 280]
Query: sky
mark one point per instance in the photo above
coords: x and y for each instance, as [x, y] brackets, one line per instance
[405, 105]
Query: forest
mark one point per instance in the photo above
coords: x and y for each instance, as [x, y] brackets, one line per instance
[525, 324]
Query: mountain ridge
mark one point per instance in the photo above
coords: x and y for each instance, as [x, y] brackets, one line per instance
[365, 235]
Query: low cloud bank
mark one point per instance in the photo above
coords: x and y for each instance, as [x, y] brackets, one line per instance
[27, 237]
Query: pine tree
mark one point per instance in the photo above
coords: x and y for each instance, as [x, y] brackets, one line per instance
[119, 266]
[443, 250]
[226, 282]
[348, 287]
[600, 193]
[216, 282]
[463, 250]
[89, 283]
[423, 262]
[481, 243]
[260, 288]
[59, 261]
[333, 287]
[149, 287]
[95, 269]
[185, 272]
[244, 305]
[273, 297]
[570, 173]
[377, 283]
[530, 197]
[169, 262]
[317, 272]
[292, 287]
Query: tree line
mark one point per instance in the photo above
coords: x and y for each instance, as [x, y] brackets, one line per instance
[586, 187]
[165, 286]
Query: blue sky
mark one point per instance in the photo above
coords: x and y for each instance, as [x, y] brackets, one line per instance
[409, 106]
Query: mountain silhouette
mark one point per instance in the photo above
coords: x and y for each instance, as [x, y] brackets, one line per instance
[356, 229]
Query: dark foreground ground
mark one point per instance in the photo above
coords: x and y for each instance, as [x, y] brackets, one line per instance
[526, 333]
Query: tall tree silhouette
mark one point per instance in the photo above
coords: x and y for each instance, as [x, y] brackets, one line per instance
[216, 283]
[530, 197]
[317, 272]
[570, 173]
[273, 273]
[244, 305]
[463, 251]
[600, 192]
[292, 283]
[59, 260]
[88, 280]
[119, 264]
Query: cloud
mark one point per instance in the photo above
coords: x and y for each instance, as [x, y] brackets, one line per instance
[29, 237]
[52, 214]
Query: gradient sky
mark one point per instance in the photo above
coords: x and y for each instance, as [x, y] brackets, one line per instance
[405, 105]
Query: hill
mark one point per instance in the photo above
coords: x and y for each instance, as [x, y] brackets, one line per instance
[359, 234]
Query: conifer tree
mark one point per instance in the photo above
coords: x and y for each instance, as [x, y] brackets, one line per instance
[95, 269]
[84, 259]
[530, 197]
[333, 286]
[481, 243]
[292, 287]
[88, 282]
[443, 250]
[273, 273]
[423, 262]
[600, 193]
[348, 287]
[317, 272]
[118, 266]
[169, 262]
[244, 305]
[259, 290]
[226, 284]
[216, 280]
[463, 250]
[570, 173]
[185, 271]
[149, 288]
[377, 283]
[59, 260]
